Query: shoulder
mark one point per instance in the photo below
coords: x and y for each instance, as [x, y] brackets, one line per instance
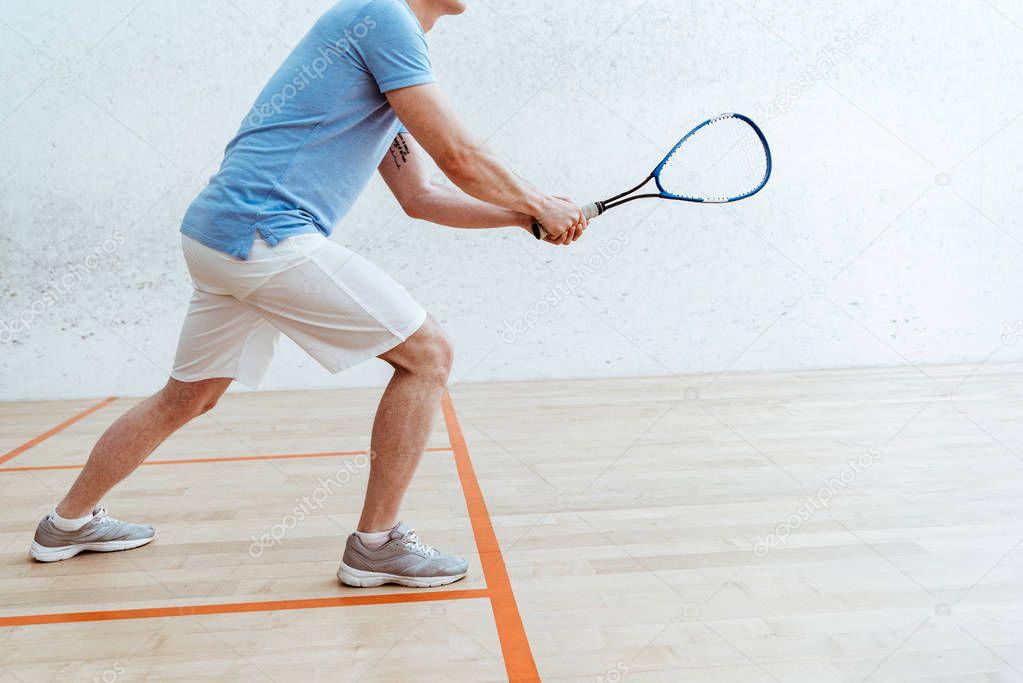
[369, 16]
[390, 16]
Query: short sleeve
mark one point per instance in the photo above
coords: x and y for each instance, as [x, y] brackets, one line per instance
[394, 49]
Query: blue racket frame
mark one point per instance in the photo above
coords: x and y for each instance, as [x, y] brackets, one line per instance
[624, 197]
[656, 175]
[598, 208]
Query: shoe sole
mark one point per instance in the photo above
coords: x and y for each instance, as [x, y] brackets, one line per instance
[358, 578]
[42, 553]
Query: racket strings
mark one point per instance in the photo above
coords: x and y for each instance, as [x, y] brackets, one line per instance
[723, 160]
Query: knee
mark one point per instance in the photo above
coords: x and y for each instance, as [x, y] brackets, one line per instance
[205, 405]
[445, 357]
[431, 355]
[191, 399]
[438, 358]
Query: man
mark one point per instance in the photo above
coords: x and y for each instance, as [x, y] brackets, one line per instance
[358, 93]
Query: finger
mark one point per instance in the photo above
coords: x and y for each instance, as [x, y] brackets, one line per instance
[556, 239]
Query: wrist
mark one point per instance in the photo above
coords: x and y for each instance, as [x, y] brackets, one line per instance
[534, 204]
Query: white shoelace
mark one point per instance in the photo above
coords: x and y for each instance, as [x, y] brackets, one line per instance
[101, 517]
[411, 541]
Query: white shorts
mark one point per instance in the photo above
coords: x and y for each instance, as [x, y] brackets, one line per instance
[336, 305]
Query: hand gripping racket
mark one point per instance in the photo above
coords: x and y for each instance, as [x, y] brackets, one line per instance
[724, 159]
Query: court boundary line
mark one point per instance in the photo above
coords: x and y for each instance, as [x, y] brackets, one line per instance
[518, 656]
[240, 607]
[516, 652]
[200, 461]
[32, 443]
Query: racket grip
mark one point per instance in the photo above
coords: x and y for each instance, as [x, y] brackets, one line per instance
[590, 211]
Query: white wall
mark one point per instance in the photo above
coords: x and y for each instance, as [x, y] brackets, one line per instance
[113, 112]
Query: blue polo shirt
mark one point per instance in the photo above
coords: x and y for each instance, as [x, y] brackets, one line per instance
[317, 132]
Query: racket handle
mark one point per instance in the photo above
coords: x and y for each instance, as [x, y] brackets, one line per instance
[590, 211]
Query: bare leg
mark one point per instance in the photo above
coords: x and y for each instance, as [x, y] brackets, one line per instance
[136, 434]
[403, 422]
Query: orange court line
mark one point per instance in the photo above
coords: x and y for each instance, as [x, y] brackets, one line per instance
[192, 461]
[518, 657]
[10, 455]
[235, 607]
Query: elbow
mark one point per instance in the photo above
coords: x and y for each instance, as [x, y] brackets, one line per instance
[414, 210]
[416, 204]
[457, 165]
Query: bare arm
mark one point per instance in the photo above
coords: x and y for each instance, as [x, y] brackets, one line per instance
[407, 174]
[429, 116]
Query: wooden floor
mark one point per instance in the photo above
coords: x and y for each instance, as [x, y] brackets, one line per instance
[862, 525]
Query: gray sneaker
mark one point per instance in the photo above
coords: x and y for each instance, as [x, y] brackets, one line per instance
[404, 560]
[102, 534]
